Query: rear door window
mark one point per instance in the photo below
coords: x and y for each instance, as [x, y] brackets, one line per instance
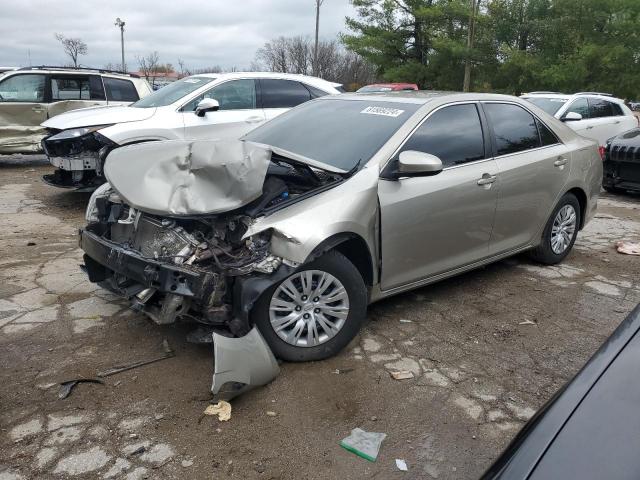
[453, 134]
[70, 87]
[120, 90]
[514, 128]
[28, 88]
[580, 106]
[282, 93]
[617, 109]
[600, 108]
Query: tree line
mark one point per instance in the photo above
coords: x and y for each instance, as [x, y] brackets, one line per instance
[509, 46]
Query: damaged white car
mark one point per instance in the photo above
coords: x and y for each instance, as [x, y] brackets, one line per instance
[338, 203]
[200, 107]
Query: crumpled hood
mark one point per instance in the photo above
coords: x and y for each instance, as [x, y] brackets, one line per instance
[87, 117]
[187, 177]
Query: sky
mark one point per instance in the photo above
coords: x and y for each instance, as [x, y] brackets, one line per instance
[203, 33]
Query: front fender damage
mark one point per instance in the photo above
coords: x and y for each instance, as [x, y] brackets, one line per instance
[241, 364]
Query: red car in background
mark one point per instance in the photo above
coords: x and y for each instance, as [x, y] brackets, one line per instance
[387, 87]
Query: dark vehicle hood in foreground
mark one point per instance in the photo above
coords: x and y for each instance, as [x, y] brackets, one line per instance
[591, 428]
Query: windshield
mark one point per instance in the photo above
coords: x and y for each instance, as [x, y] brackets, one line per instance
[336, 132]
[549, 105]
[173, 92]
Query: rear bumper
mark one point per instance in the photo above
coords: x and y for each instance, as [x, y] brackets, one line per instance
[103, 258]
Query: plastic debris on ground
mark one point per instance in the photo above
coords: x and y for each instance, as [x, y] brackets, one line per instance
[222, 409]
[401, 464]
[527, 322]
[628, 248]
[364, 444]
[402, 375]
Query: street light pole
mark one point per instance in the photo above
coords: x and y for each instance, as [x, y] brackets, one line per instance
[119, 23]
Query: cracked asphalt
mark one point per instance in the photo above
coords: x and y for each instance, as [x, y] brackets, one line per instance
[486, 349]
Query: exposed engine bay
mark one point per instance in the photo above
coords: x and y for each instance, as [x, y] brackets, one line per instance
[191, 267]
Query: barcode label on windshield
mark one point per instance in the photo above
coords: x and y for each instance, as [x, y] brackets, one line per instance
[387, 112]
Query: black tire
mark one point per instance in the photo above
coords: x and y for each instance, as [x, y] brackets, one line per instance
[543, 253]
[342, 269]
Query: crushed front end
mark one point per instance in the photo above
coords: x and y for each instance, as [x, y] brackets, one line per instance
[198, 268]
[78, 155]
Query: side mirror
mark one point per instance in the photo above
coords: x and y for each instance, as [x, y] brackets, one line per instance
[572, 117]
[207, 105]
[415, 164]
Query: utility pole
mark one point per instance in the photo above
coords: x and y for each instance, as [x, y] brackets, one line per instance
[315, 48]
[119, 23]
[466, 86]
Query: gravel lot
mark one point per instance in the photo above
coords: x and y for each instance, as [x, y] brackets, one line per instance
[487, 349]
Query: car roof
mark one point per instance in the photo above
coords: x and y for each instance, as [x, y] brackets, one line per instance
[75, 71]
[422, 96]
[287, 76]
[569, 96]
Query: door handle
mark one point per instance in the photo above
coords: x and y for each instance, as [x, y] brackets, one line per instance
[616, 122]
[560, 162]
[589, 128]
[486, 179]
[254, 119]
[38, 109]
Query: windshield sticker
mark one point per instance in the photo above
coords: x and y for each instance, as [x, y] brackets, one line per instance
[192, 80]
[384, 111]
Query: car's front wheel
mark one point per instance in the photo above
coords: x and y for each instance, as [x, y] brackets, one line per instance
[560, 232]
[315, 312]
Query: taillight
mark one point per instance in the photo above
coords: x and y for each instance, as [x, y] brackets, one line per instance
[602, 151]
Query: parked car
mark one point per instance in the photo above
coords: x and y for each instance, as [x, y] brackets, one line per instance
[29, 96]
[589, 429]
[634, 105]
[340, 202]
[204, 106]
[622, 162]
[598, 116]
[387, 87]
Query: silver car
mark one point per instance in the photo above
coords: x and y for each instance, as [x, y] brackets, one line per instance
[336, 204]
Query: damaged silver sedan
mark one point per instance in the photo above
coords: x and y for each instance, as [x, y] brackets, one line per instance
[340, 202]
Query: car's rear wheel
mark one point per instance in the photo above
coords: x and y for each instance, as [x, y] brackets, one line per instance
[315, 312]
[560, 232]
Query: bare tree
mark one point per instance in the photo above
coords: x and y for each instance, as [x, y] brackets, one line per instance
[149, 66]
[74, 47]
[296, 55]
[213, 69]
[183, 72]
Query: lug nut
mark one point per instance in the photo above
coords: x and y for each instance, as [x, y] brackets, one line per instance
[316, 310]
[306, 315]
[298, 308]
[317, 299]
[304, 298]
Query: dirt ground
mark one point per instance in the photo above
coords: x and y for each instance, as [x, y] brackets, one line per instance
[487, 349]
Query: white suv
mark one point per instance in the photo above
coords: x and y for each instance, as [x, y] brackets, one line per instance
[29, 96]
[205, 106]
[598, 116]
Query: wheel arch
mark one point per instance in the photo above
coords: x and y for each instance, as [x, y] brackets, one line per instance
[352, 246]
[580, 194]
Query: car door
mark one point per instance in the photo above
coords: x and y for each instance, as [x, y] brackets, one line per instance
[533, 168]
[71, 91]
[434, 224]
[607, 126]
[238, 113]
[590, 126]
[279, 95]
[22, 109]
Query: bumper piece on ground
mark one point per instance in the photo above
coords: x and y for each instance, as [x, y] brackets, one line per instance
[241, 364]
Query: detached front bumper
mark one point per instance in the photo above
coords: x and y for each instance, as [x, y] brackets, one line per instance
[103, 258]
